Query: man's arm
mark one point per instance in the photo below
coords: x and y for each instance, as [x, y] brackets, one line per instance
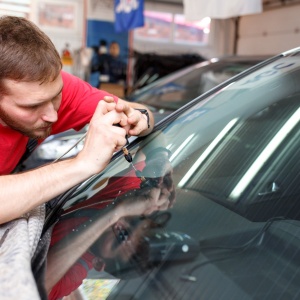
[20, 193]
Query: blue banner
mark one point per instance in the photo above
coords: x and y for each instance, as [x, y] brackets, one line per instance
[129, 14]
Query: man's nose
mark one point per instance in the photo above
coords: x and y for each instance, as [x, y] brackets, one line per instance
[50, 114]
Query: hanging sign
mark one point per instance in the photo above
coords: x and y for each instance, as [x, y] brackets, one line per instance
[129, 14]
[196, 10]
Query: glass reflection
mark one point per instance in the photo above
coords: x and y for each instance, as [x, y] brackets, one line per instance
[111, 231]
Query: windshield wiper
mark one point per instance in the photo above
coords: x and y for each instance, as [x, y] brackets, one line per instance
[187, 276]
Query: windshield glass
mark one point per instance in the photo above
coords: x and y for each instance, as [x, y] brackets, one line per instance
[209, 208]
[176, 90]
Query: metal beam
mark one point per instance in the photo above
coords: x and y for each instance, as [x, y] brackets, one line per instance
[168, 2]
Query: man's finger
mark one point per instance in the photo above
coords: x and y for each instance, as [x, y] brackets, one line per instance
[103, 108]
[109, 99]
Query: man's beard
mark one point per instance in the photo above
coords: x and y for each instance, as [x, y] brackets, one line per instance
[11, 123]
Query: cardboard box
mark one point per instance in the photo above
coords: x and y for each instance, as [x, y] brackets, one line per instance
[113, 88]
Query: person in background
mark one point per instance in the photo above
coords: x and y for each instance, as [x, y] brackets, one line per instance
[98, 62]
[103, 58]
[94, 71]
[116, 66]
[113, 71]
[38, 99]
[102, 50]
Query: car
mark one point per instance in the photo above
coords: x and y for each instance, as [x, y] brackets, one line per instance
[170, 92]
[207, 209]
[58, 146]
[149, 67]
[163, 97]
[65, 144]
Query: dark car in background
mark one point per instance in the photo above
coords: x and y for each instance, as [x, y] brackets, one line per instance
[170, 92]
[66, 144]
[163, 97]
[149, 67]
[209, 208]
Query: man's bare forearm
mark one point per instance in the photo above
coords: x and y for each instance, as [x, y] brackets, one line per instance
[22, 192]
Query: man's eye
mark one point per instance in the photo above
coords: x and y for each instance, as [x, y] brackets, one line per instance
[34, 107]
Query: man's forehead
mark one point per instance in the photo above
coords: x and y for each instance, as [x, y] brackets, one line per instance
[33, 91]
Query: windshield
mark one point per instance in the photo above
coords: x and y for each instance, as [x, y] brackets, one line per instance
[209, 208]
[178, 89]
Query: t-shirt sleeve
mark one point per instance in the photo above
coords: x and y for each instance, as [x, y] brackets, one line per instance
[79, 101]
[71, 281]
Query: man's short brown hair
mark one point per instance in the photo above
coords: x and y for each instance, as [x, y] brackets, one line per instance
[26, 53]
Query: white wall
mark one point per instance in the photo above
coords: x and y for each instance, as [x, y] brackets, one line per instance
[221, 38]
[220, 41]
[60, 36]
[271, 32]
[268, 33]
[167, 48]
[103, 10]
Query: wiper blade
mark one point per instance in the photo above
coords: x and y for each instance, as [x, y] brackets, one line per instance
[188, 275]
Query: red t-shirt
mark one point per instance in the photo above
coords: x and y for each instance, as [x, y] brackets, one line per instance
[79, 101]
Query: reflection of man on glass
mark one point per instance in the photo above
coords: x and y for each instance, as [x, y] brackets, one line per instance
[107, 230]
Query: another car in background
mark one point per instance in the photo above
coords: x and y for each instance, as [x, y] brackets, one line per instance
[209, 209]
[169, 93]
[149, 67]
[66, 144]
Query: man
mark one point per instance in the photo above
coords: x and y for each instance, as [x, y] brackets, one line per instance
[38, 99]
[116, 68]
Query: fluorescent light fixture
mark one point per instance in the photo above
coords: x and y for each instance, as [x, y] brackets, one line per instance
[207, 151]
[265, 154]
[16, 14]
[15, 8]
[213, 60]
[22, 2]
[179, 149]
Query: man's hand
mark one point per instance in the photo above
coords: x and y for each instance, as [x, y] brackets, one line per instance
[143, 201]
[103, 138]
[158, 172]
[150, 197]
[134, 122]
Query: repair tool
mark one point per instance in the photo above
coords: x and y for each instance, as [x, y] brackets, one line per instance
[126, 153]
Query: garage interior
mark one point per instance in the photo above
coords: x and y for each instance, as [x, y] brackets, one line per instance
[275, 29]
